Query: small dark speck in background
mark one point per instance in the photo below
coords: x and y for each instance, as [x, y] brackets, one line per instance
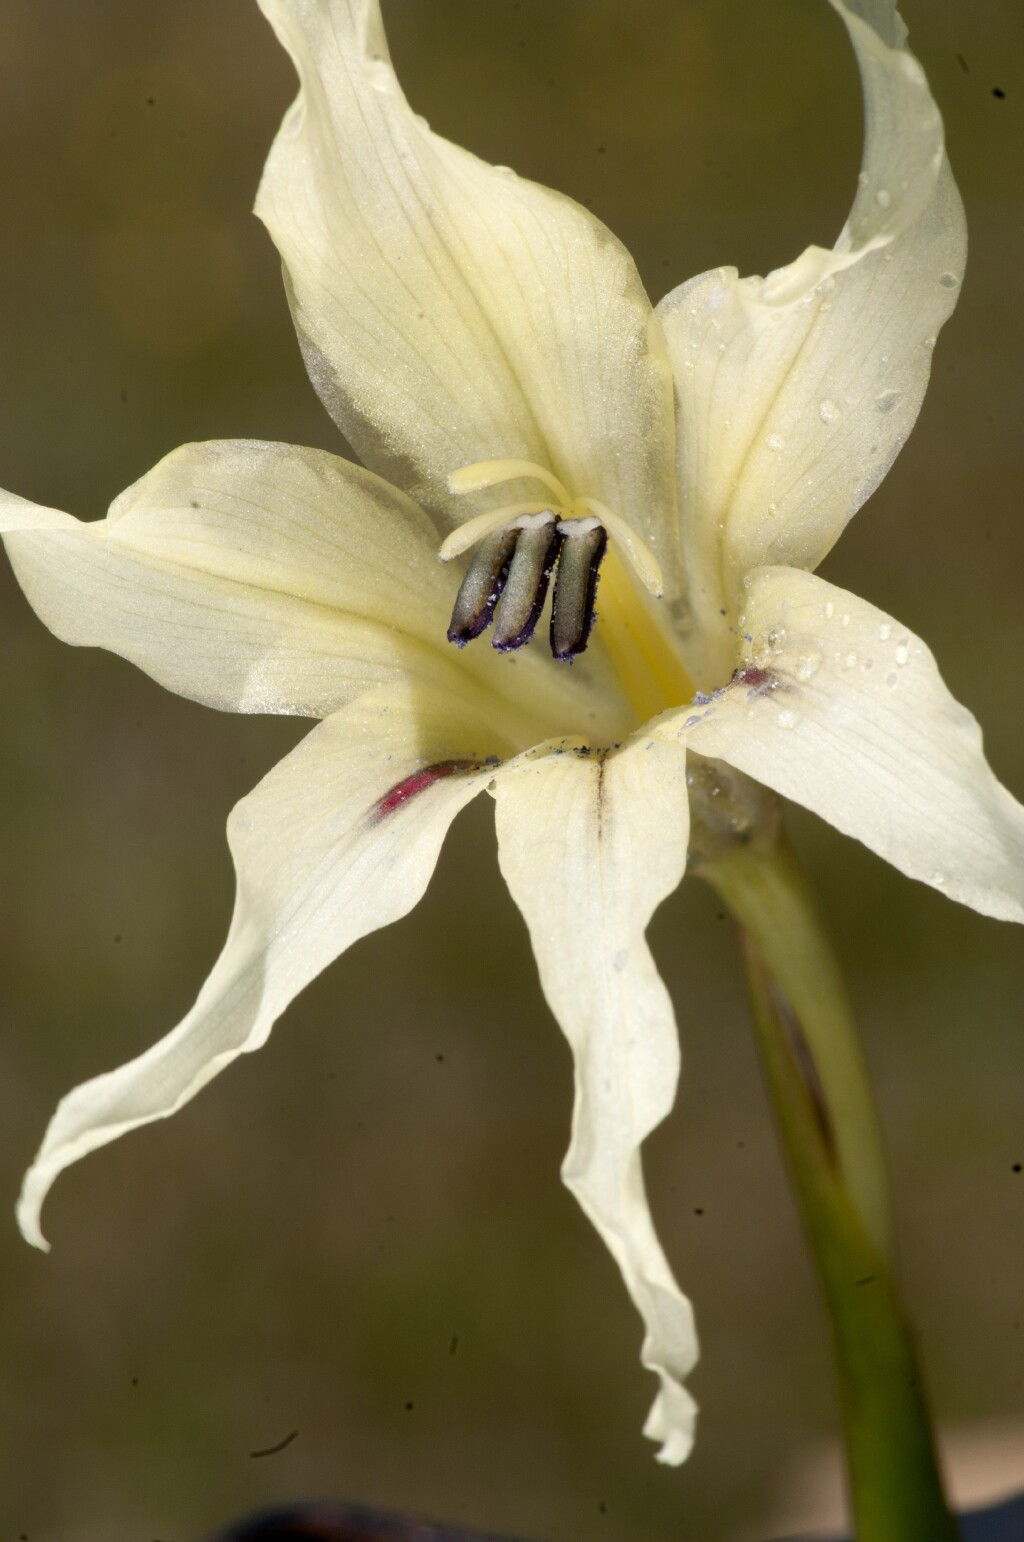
[998, 93]
[602, 1506]
[281, 1445]
[963, 64]
[409, 1407]
[698, 1210]
[1017, 1166]
[453, 1346]
[439, 1058]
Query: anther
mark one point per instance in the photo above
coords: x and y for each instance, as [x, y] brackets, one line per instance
[572, 607]
[481, 588]
[527, 585]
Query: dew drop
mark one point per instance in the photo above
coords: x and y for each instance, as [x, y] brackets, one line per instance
[620, 960]
[885, 631]
[828, 412]
[902, 653]
[891, 678]
[844, 619]
[808, 666]
[862, 179]
[828, 610]
[788, 718]
[929, 343]
[777, 639]
[775, 442]
[938, 878]
[850, 661]
[887, 401]
[948, 280]
[883, 198]
[868, 664]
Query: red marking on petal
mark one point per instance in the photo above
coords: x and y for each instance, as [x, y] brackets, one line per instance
[419, 781]
[759, 681]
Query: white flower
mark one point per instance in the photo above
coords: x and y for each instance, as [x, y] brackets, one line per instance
[487, 347]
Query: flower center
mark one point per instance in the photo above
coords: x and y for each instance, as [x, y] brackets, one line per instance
[520, 546]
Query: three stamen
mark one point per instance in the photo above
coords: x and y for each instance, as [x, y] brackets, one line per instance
[514, 565]
[519, 547]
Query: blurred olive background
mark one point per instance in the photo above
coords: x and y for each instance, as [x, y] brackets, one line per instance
[359, 1233]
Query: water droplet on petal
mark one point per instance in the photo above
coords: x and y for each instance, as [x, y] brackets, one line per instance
[828, 610]
[883, 198]
[788, 718]
[850, 661]
[808, 666]
[887, 401]
[775, 442]
[902, 653]
[938, 878]
[891, 679]
[948, 280]
[828, 412]
[885, 631]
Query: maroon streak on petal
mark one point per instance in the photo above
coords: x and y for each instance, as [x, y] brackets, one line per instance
[419, 781]
[758, 681]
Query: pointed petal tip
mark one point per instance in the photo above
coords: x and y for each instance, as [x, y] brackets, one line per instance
[672, 1421]
[28, 1208]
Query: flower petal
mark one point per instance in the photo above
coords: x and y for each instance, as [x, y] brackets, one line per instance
[795, 392]
[589, 846]
[844, 711]
[449, 311]
[338, 840]
[249, 576]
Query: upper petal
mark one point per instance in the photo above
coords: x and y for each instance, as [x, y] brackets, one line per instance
[589, 846]
[338, 840]
[796, 391]
[253, 577]
[849, 716]
[451, 312]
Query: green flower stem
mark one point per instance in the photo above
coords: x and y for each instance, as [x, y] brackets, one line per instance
[822, 1101]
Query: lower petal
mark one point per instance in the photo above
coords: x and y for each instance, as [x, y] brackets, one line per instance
[338, 840]
[843, 710]
[589, 845]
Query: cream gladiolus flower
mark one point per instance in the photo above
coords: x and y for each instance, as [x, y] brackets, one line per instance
[487, 347]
